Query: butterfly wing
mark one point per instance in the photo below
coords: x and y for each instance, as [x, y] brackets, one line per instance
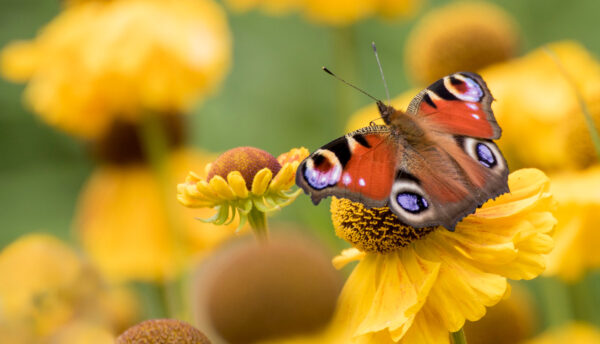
[446, 179]
[458, 104]
[359, 166]
[454, 166]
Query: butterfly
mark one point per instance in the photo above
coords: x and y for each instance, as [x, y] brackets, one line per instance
[431, 165]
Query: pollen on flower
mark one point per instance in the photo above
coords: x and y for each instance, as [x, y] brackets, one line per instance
[247, 160]
[372, 230]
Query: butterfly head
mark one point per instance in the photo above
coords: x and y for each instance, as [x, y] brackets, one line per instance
[386, 111]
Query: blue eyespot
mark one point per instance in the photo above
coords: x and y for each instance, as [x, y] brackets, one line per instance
[485, 155]
[322, 179]
[412, 202]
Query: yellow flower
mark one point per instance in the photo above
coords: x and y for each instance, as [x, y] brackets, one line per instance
[123, 224]
[332, 12]
[289, 288]
[46, 290]
[537, 108]
[578, 213]
[441, 44]
[405, 287]
[101, 61]
[246, 182]
[163, 331]
[511, 321]
[574, 333]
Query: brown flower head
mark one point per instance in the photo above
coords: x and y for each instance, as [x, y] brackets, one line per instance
[162, 331]
[247, 160]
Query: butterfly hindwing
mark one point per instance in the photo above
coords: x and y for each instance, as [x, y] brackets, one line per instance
[359, 166]
[449, 179]
[458, 104]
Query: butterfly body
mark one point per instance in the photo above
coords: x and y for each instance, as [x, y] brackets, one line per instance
[432, 165]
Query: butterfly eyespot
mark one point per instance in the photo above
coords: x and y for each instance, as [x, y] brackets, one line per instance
[412, 202]
[322, 170]
[464, 88]
[485, 155]
[485, 152]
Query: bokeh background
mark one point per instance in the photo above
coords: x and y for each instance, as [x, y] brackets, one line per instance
[274, 97]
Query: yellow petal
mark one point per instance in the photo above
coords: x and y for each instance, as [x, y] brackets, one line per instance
[206, 190]
[403, 283]
[458, 276]
[427, 328]
[527, 186]
[207, 168]
[347, 256]
[285, 178]
[221, 188]
[261, 181]
[237, 184]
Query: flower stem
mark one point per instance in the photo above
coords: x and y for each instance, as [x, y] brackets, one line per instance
[154, 140]
[589, 120]
[584, 300]
[458, 337]
[258, 222]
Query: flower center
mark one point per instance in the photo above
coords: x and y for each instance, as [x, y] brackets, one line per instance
[122, 145]
[247, 160]
[372, 230]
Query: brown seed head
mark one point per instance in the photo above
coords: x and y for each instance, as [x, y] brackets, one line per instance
[162, 331]
[247, 160]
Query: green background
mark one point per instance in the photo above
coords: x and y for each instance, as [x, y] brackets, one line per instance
[275, 98]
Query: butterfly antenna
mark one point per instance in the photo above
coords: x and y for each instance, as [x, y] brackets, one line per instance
[387, 91]
[349, 84]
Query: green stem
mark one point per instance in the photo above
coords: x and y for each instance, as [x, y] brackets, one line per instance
[458, 337]
[345, 66]
[258, 222]
[156, 148]
[554, 300]
[584, 302]
[589, 120]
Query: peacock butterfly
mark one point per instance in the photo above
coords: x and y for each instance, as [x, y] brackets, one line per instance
[431, 165]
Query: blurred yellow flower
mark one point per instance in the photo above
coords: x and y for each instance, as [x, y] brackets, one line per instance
[332, 12]
[123, 224]
[577, 235]
[163, 331]
[244, 182]
[101, 61]
[409, 295]
[461, 36]
[536, 106]
[289, 289]
[511, 321]
[47, 290]
[274, 7]
[574, 333]
[80, 332]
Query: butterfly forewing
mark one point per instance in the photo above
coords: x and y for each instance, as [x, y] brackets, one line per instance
[458, 104]
[359, 166]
